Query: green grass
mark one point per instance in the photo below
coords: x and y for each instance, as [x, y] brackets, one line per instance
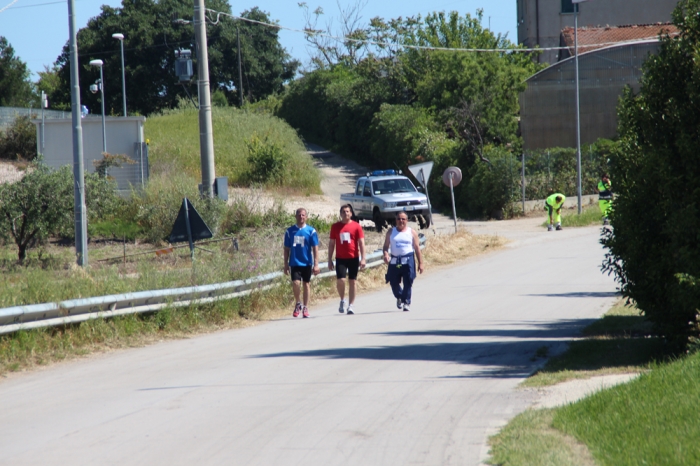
[529, 439]
[174, 143]
[589, 216]
[650, 420]
[619, 342]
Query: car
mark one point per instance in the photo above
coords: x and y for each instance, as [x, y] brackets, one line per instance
[381, 194]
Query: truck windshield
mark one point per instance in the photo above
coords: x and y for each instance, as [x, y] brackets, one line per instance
[398, 185]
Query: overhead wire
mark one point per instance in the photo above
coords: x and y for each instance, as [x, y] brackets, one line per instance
[418, 47]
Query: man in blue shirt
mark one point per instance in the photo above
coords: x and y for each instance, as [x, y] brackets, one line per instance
[301, 258]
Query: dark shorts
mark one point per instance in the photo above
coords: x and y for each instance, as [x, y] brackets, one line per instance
[302, 273]
[347, 267]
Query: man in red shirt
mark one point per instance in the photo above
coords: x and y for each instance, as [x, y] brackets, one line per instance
[348, 239]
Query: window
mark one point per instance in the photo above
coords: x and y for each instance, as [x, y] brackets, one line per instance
[567, 6]
[358, 191]
[368, 189]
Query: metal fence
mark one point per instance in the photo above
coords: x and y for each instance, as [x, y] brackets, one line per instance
[13, 319]
[9, 114]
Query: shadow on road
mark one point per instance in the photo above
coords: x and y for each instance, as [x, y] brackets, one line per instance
[515, 357]
[580, 294]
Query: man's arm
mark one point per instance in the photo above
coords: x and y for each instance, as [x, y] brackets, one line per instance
[387, 244]
[361, 246]
[416, 248]
[286, 260]
[331, 250]
[314, 250]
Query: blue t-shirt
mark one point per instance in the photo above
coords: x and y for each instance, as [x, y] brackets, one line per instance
[300, 241]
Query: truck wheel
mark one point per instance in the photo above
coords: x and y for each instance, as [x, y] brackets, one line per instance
[378, 220]
[423, 222]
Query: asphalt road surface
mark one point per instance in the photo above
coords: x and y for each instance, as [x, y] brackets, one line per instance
[382, 387]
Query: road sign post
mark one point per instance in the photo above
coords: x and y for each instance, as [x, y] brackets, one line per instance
[452, 177]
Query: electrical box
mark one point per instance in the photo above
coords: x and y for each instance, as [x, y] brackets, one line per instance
[221, 188]
[183, 64]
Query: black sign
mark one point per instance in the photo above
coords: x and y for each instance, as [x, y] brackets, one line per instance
[189, 225]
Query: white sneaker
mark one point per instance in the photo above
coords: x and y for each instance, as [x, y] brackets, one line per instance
[350, 310]
[399, 303]
[550, 227]
[406, 307]
[341, 308]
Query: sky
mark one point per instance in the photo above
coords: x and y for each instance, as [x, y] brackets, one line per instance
[38, 29]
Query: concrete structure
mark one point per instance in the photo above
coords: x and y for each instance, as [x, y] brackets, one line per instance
[540, 22]
[124, 136]
[548, 106]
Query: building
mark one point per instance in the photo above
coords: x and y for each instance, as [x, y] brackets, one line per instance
[540, 22]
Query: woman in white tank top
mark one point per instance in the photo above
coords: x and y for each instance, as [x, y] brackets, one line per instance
[400, 247]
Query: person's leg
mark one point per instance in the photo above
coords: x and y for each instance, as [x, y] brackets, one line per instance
[307, 290]
[407, 282]
[296, 287]
[395, 281]
[351, 291]
[558, 219]
[340, 286]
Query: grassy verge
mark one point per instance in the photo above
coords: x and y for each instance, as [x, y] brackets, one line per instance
[174, 146]
[26, 349]
[589, 216]
[619, 342]
[651, 420]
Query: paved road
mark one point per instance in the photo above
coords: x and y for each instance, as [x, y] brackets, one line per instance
[382, 387]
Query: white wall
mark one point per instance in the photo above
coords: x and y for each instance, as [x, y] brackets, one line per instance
[122, 136]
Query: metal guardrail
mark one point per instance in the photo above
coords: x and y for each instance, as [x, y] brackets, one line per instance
[13, 319]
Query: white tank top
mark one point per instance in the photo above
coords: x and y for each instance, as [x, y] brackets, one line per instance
[401, 242]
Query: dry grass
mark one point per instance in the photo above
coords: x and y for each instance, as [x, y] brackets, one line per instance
[29, 349]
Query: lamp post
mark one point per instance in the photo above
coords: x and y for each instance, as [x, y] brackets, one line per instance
[101, 86]
[120, 37]
[578, 104]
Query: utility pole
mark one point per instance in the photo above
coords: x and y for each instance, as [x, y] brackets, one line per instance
[206, 134]
[240, 73]
[81, 250]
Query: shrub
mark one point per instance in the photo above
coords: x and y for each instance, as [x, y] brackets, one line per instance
[653, 246]
[492, 188]
[267, 161]
[18, 141]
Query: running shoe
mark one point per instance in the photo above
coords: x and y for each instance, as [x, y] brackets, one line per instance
[558, 228]
[399, 303]
[297, 310]
[341, 308]
[306, 312]
[406, 307]
[350, 311]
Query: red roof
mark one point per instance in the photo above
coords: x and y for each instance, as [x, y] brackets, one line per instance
[592, 38]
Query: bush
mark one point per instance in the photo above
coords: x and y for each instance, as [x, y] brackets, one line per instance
[267, 161]
[655, 170]
[155, 208]
[18, 141]
[490, 189]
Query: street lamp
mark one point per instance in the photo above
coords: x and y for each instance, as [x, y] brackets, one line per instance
[578, 104]
[101, 85]
[120, 37]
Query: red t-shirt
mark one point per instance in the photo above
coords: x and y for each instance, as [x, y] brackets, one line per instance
[347, 237]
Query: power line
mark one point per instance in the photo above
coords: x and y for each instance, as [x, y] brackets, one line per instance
[8, 6]
[414, 47]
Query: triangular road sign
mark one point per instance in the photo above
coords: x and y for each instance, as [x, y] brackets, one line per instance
[422, 172]
[197, 228]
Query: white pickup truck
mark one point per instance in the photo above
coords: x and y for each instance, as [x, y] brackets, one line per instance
[382, 193]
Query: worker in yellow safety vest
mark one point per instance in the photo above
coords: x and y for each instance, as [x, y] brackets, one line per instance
[553, 206]
[605, 196]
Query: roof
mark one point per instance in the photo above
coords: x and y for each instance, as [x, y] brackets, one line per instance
[593, 38]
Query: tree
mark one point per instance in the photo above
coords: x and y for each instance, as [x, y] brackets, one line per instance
[15, 86]
[150, 40]
[653, 245]
[35, 206]
[18, 140]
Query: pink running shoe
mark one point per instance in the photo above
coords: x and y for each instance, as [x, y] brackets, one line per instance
[306, 312]
[297, 310]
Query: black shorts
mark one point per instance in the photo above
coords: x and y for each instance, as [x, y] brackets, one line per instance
[349, 266]
[302, 273]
